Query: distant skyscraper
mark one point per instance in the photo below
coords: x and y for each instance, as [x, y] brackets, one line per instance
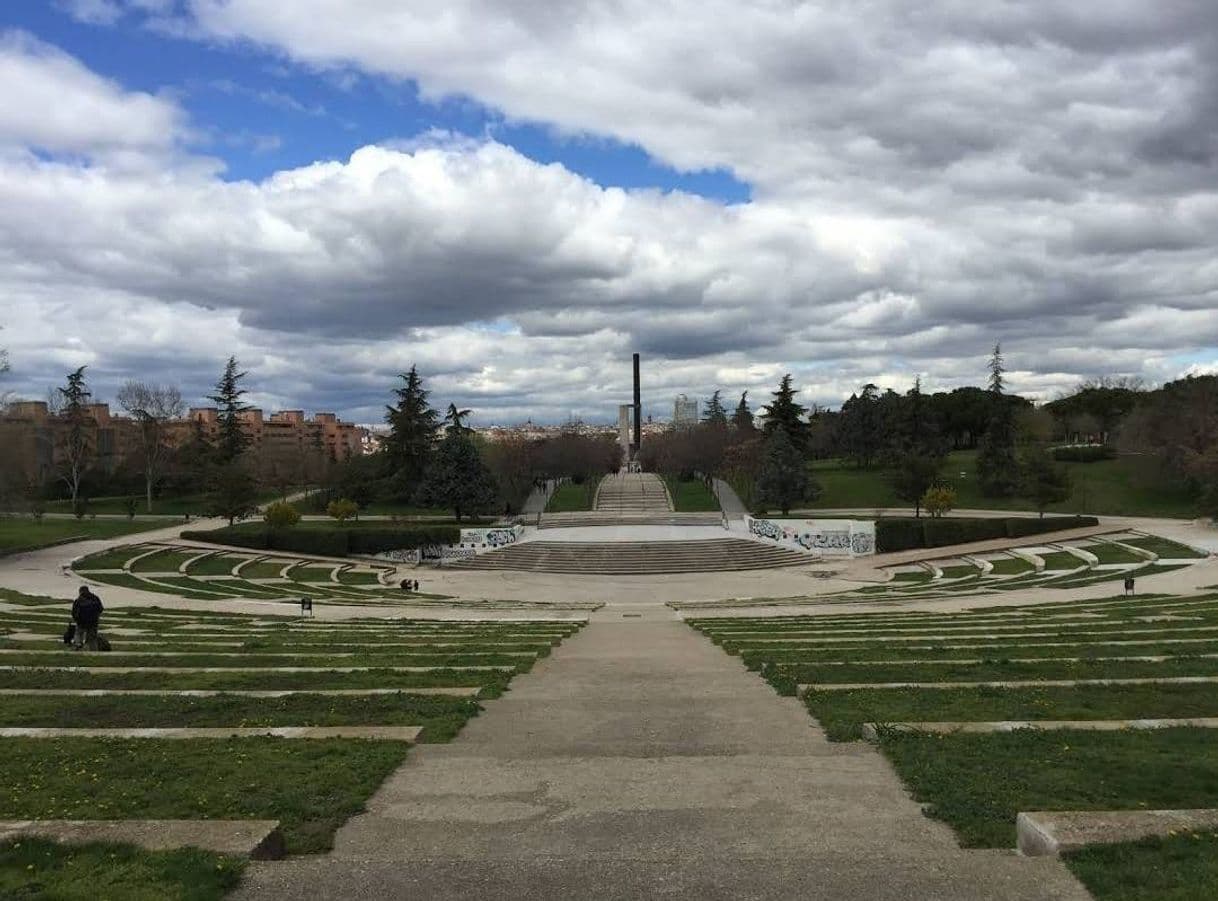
[684, 412]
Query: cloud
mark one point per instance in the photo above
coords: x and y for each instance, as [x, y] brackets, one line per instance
[53, 103]
[927, 179]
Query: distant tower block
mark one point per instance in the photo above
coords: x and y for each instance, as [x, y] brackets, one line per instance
[623, 430]
[638, 407]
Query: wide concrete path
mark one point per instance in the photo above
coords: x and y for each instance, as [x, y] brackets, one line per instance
[640, 761]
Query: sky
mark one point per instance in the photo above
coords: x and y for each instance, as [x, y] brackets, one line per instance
[515, 196]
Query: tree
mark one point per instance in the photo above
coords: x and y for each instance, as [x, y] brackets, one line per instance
[939, 500]
[454, 420]
[280, 515]
[783, 479]
[75, 442]
[785, 413]
[233, 439]
[232, 492]
[152, 406]
[914, 476]
[342, 509]
[742, 417]
[860, 433]
[1043, 480]
[411, 441]
[457, 478]
[716, 415]
[997, 467]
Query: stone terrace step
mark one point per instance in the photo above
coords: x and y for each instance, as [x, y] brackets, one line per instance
[610, 518]
[636, 557]
[635, 492]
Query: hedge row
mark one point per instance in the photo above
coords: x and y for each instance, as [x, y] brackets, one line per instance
[1090, 453]
[901, 534]
[336, 542]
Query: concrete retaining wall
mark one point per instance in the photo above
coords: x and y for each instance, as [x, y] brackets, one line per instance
[818, 537]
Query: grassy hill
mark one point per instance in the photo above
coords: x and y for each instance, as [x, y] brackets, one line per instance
[1129, 485]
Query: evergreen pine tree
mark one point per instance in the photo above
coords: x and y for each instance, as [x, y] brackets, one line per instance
[411, 441]
[918, 450]
[716, 415]
[860, 433]
[1044, 480]
[233, 439]
[742, 418]
[783, 479]
[787, 414]
[454, 420]
[457, 478]
[997, 467]
[75, 446]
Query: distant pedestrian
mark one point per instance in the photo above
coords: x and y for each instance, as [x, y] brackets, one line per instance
[86, 613]
[1129, 585]
[405, 585]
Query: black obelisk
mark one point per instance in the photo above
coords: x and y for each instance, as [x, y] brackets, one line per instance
[638, 408]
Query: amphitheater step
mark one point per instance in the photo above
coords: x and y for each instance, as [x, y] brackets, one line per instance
[606, 518]
[632, 492]
[635, 557]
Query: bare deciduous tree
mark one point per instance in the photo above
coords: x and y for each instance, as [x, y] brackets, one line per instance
[154, 406]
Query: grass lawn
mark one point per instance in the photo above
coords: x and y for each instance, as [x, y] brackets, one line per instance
[492, 682]
[571, 498]
[19, 533]
[1062, 560]
[1164, 548]
[36, 868]
[1129, 485]
[842, 713]
[194, 504]
[978, 783]
[1011, 566]
[1113, 553]
[691, 496]
[1173, 868]
[311, 787]
[440, 717]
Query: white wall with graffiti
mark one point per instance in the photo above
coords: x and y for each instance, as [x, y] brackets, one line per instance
[821, 537]
[472, 543]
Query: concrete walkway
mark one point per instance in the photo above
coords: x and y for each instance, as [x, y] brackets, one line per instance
[640, 761]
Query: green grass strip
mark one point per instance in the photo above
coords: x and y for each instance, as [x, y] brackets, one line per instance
[978, 783]
[842, 713]
[1170, 868]
[311, 787]
[38, 868]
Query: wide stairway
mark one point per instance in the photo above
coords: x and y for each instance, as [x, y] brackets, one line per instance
[636, 557]
[632, 493]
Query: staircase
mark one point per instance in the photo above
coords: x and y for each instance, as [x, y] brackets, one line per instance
[632, 493]
[628, 558]
[594, 518]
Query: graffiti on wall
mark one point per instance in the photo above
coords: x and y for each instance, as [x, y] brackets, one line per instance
[825, 536]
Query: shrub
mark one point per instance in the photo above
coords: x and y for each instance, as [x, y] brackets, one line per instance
[1084, 453]
[232, 536]
[373, 541]
[342, 509]
[938, 500]
[898, 535]
[903, 533]
[321, 542]
[281, 515]
[958, 530]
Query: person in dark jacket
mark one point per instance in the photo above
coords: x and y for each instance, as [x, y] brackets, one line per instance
[86, 613]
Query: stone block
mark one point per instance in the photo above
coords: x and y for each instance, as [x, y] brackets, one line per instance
[1052, 832]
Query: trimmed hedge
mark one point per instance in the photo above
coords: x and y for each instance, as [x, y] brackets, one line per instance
[335, 542]
[1089, 453]
[903, 534]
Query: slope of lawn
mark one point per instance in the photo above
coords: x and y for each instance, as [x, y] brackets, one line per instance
[20, 533]
[1129, 485]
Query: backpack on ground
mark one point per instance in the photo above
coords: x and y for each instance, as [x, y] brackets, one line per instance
[102, 643]
[69, 633]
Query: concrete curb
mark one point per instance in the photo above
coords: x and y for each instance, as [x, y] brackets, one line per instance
[1040, 832]
[255, 839]
[382, 733]
[871, 731]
